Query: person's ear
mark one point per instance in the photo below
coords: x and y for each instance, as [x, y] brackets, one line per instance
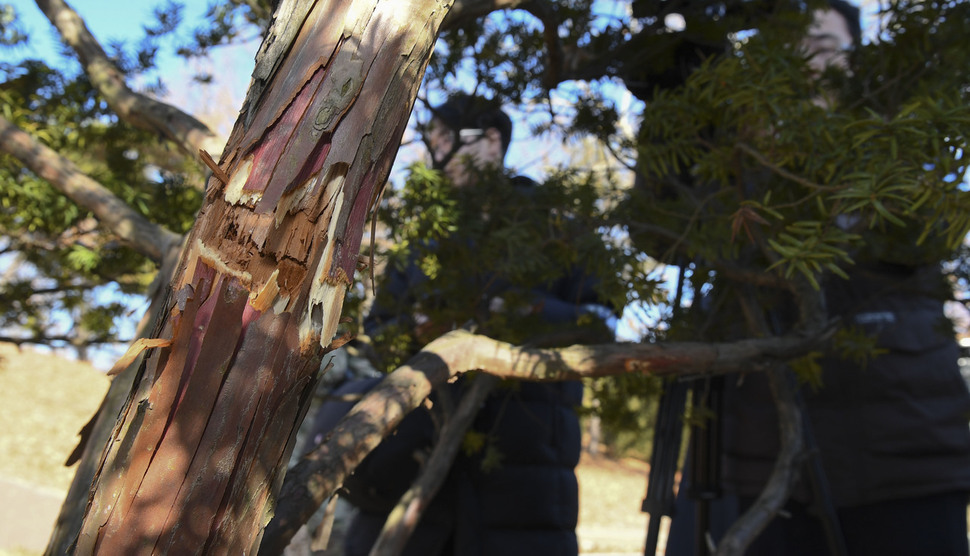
[493, 134]
[494, 138]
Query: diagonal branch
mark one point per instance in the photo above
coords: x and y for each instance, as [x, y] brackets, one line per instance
[137, 109]
[118, 217]
[403, 520]
[318, 475]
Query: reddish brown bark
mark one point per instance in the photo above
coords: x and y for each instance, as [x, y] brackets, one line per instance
[201, 446]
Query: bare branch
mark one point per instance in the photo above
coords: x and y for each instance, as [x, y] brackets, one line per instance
[404, 518]
[743, 531]
[135, 108]
[661, 359]
[318, 475]
[144, 236]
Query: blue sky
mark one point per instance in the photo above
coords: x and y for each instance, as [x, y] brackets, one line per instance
[124, 21]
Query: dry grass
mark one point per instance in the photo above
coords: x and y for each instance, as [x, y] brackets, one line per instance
[610, 494]
[45, 400]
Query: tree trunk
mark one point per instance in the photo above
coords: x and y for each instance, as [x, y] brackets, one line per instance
[201, 446]
[99, 429]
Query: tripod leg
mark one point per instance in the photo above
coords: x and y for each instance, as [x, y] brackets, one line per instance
[659, 500]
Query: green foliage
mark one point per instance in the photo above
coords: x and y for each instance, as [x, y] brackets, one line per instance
[52, 245]
[473, 442]
[10, 32]
[750, 164]
[856, 345]
[626, 406]
[808, 369]
[823, 180]
[499, 239]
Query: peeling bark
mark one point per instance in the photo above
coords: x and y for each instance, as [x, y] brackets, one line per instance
[135, 108]
[102, 423]
[143, 235]
[200, 448]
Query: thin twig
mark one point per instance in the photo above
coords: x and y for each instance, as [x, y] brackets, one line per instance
[754, 153]
[404, 518]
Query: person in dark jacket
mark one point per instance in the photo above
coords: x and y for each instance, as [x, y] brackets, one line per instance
[891, 431]
[512, 489]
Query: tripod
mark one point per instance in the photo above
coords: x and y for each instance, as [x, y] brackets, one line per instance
[704, 464]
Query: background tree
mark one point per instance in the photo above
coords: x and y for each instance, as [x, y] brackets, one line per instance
[99, 180]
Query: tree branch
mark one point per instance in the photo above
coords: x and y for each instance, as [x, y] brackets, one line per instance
[781, 172]
[137, 109]
[73, 341]
[743, 531]
[467, 11]
[404, 518]
[144, 236]
[317, 476]
[791, 440]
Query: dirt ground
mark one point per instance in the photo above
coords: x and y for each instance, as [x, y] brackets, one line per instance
[44, 401]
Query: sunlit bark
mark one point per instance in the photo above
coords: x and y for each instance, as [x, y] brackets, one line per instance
[200, 448]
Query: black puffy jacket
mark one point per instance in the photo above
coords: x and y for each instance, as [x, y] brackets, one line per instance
[524, 503]
[517, 493]
[894, 428]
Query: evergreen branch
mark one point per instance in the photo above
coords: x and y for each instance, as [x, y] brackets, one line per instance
[137, 109]
[691, 222]
[144, 236]
[760, 158]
